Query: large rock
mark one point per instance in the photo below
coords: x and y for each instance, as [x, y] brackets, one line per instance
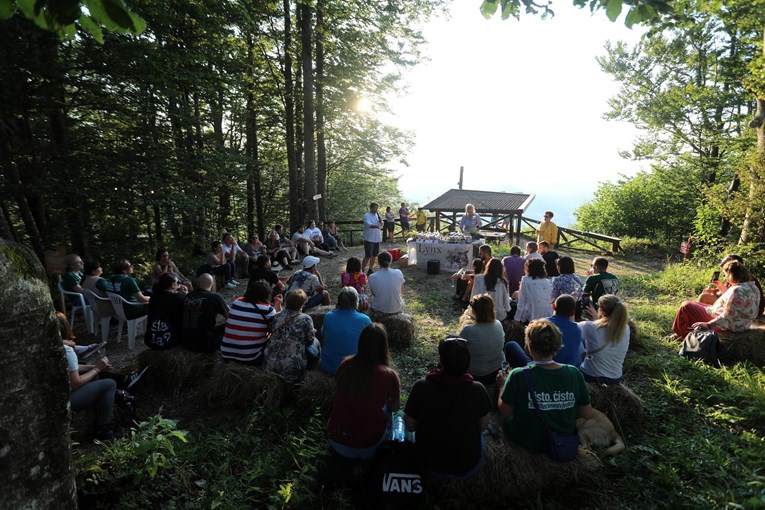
[35, 457]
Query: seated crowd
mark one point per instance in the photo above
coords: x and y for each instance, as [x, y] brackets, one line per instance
[267, 326]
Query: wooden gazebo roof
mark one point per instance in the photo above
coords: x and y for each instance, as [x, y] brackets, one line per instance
[485, 202]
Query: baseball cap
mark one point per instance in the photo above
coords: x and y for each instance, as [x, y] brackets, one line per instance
[310, 261]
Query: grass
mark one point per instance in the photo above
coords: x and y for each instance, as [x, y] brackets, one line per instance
[702, 444]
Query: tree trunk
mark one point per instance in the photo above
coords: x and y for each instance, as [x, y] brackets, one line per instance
[253, 160]
[6, 228]
[309, 158]
[289, 120]
[321, 151]
[750, 226]
[36, 471]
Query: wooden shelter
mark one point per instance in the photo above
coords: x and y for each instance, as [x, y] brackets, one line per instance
[506, 208]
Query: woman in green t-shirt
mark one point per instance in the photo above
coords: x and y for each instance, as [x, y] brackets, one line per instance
[561, 391]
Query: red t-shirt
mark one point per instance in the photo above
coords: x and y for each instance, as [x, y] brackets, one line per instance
[359, 422]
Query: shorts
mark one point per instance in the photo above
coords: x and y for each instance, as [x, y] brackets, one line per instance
[371, 249]
[420, 227]
[389, 226]
[404, 224]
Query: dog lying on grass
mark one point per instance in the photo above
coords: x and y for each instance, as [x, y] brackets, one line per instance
[599, 432]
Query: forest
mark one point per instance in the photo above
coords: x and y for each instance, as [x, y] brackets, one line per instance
[202, 117]
[129, 126]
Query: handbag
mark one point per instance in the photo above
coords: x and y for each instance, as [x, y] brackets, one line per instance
[559, 447]
[396, 478]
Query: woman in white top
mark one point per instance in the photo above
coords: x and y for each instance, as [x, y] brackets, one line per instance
[493, 282]
[485, 340]
[534, 293]
[606, 341]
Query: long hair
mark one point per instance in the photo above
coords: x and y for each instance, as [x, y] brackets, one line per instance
[615, 317]
[494, 272]
[483, 308]
[535, 268]
[354, 376]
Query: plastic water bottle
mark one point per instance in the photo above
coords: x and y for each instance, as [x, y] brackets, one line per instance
[399, 430]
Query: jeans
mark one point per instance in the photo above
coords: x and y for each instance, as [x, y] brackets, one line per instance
[99, 393]
[601, 380]
[515, 355]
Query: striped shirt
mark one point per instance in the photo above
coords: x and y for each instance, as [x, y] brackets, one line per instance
[247, 328]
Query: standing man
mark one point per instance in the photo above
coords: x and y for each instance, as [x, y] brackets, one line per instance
[422, 219]
[548, 231]
[372, 237]
[403, 215]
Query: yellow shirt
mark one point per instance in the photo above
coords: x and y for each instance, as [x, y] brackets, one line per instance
[548, 232]
[422, 218]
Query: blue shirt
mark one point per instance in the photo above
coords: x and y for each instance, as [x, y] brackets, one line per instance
[572, 352]
[341, 332]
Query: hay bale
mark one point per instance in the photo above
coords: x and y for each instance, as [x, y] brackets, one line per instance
[512, 472]
[317, 389]
[403, 262]
[619, 403]
[317, 315]
[400, 327]
[235, 385]
[175, 368]
[745, 346]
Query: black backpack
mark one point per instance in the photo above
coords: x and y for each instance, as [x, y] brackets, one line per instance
[701, 344]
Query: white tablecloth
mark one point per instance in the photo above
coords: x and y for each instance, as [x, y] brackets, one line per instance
[453, 256]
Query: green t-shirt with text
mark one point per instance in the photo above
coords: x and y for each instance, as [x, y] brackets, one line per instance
[559, 393]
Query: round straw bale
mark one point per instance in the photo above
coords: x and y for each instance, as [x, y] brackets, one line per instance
[317, 315]
[400, 327]
[175, 368]
[403, 262]
[235, 385]
[635, 342]
[619, 403]
[745, 346]
[317, 389]
[512, 472]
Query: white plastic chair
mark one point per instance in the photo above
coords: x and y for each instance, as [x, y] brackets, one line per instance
[102, 317]
[78, 302]
[119, 303]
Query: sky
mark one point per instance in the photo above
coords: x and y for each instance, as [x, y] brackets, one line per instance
[518, 104]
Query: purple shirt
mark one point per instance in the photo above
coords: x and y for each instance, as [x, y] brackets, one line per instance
[514, 267]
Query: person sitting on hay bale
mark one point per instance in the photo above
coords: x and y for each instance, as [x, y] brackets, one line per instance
[341, 330]
[165, 313]
[200, 310]
[572, 351]
[723, 315]
[387, 286]
[292, 341]
[485, 341]
[368, 390]
[449, 411]
[309, 281]
[493, 282]
[717, 289]
[356, 278]
[561, 392]
[248, 325]
[606, 341]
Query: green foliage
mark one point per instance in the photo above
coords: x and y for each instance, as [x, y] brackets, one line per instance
[63, 18]
[640, 11]
[657, 205]
[137, 471]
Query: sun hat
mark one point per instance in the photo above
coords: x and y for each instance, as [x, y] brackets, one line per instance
[310, 261]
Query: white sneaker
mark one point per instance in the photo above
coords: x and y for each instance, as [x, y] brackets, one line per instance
[233, 281]
[276, 267]
[229, 285]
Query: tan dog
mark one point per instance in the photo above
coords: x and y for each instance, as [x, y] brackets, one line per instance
[598, 431]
